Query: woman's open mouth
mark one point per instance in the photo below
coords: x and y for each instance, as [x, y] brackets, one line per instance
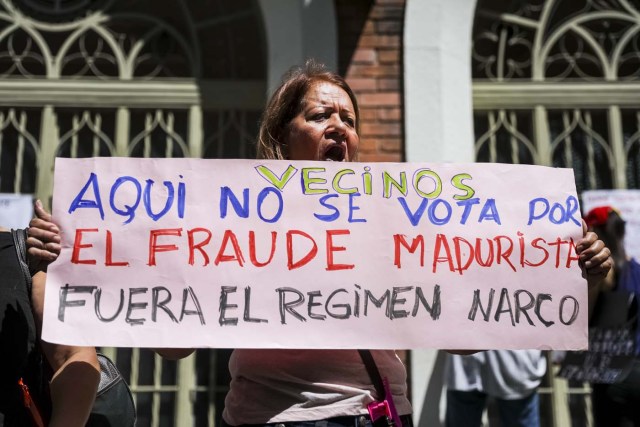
[335, 153]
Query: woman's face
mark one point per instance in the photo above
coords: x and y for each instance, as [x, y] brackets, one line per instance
[325, 127]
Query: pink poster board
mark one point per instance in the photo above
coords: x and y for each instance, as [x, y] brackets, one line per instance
[278, 254]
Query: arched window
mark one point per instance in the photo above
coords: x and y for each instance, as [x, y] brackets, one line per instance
[118, 78]
[141, 78]
[555, 83]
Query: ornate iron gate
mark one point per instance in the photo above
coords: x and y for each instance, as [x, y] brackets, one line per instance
[139, 78]
[556, 84]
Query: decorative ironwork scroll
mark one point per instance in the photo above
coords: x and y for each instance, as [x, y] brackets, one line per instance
[587, 40]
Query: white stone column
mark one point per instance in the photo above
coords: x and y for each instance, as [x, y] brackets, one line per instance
[437, 72]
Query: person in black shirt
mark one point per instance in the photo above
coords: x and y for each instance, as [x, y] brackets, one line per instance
[68, 397]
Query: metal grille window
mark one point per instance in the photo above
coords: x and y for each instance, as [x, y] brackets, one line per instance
[504, 137]
[19, 147]
[82, 78]
[556, 84]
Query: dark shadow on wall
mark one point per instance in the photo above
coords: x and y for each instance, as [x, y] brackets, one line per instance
[351, 16]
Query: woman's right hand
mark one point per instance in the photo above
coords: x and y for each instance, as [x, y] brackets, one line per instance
[43, 240]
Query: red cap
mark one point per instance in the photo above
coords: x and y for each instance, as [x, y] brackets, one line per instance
[598, 216]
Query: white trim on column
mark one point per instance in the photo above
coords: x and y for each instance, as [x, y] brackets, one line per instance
[297, 30]
[158, 93]
[437, 64]
[438, 128]
[527, 95]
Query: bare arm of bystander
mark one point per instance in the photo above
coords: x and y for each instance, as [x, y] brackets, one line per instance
[76, 371]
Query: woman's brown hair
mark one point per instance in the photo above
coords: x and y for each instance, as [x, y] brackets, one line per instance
[286, 102]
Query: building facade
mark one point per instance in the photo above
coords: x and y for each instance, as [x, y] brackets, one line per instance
[550, 82]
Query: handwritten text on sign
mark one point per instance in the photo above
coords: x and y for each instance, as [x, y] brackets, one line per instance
[250, 253]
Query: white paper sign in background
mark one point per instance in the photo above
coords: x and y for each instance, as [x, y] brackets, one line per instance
[627, 202]
[16, 210]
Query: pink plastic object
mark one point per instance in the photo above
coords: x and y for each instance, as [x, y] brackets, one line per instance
[385, 408]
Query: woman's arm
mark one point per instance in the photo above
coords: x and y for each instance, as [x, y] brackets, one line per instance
[604, 285]
[76, 371]
[597, 265]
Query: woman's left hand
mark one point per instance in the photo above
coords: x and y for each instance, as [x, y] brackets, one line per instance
[595, 257]
[43, 241]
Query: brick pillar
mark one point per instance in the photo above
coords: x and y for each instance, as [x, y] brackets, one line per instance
[370, 58]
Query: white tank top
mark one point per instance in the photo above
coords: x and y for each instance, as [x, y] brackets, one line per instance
[271, 386]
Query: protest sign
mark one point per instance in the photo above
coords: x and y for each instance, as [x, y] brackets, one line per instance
[282, 254]
[612, 350]
[16, 210]
[627, 202]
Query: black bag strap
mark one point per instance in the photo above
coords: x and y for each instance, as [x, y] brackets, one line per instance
[20, 242]
[374, 373]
